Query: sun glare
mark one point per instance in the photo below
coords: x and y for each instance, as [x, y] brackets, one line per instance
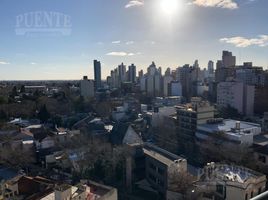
[169, 7]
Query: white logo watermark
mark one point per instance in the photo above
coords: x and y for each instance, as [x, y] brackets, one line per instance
[43, 23]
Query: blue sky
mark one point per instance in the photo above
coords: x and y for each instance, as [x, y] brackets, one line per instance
[139, 31]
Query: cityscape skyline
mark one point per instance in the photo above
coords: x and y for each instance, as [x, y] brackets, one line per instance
[171, 39]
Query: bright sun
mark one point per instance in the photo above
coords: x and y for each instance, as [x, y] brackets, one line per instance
[169, 7]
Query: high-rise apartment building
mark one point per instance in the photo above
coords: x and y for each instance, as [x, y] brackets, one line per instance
[132, 73]
[166, 81]
[210, 67]
[236, 95]
[122, 73]
[87, 88]
[228, 59]
[175, 88]
[97, 74]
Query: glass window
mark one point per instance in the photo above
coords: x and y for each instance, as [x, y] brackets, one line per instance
[219, 189]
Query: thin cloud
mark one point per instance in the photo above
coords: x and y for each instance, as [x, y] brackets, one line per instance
[129, 42]
[4, 63]
[134, 3]
[116, 42]
[242, 42]
[150, 42]
[119, 53]
[228, 4]
[33, 63]
[251, 1]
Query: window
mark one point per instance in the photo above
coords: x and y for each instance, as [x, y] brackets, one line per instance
[259, 191]
[161, 183]
[246, 197]
[152, 177]
[252, 194]
[262, 158]
[152, 166]
[219, 189]
[161, 171]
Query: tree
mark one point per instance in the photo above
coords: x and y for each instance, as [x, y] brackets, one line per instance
[181, 182]
[43, 114]
[3, 100]
[79, 104]
[216, 149]
[3, 115]
[16, 156]
[22, 89]
[57, 120]
[14, 91]
[229, 113]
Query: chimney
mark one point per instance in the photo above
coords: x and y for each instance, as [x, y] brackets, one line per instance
[237, 125]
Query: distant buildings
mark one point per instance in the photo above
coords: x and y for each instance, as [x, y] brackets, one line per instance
[211, 67]
[132, 73]
[228, 60]
[236, 95]
[251, 75]
[87, 88]
[226, 67]
[156, 85]
[122, 73]
[97, 74]
[175, 88]
[167, 80]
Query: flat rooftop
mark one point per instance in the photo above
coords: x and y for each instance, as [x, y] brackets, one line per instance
[228, 126]
[7, 173]
[99, 190]
[160, 154]
[235, 173]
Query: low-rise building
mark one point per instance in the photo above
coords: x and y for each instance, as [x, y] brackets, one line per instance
[265, 121]
[238, 132]
[222, 181]
[40, 188]
[159, 164]
[162, 112]
[261, 154]
[168, 101]
[189, 116]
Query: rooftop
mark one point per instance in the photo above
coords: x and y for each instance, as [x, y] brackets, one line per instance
[7, 173]
[233, 173]
[98, 190]
[161, 154]
[229, 126]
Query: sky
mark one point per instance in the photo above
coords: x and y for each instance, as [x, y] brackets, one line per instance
[41, 40]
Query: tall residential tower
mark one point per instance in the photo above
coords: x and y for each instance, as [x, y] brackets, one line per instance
[97, 74]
